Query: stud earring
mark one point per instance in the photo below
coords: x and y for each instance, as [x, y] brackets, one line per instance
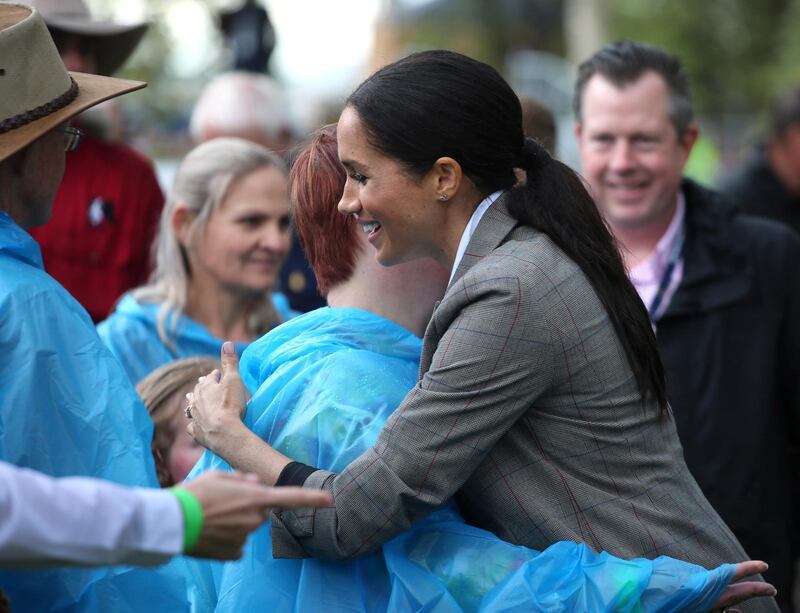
[442, 197]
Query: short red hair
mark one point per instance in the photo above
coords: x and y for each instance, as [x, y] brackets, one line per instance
[328, 238]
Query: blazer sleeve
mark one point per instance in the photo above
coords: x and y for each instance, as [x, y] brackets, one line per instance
[492, 361]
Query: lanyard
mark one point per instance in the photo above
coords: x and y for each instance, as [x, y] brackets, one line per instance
[666, 278]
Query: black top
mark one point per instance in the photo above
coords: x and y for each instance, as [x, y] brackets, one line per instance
[730, 340]
[756, 189]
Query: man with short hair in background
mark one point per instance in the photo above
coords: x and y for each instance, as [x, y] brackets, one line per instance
[722, 290]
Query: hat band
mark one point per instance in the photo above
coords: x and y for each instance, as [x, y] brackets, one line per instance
[48, 108]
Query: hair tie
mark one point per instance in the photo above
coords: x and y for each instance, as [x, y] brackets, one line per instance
[533, 155]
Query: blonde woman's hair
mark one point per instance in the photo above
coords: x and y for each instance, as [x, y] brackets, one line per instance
[201, 183]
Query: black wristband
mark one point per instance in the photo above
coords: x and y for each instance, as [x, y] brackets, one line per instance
[295, 473]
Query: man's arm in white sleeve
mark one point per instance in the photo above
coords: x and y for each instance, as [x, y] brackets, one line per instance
[46, 521]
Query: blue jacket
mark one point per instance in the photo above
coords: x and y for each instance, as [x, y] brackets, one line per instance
[66, 409]
[323, 386]
[130, 332]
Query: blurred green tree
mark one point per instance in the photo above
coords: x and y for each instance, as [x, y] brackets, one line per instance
[739, 53]
[164, 106]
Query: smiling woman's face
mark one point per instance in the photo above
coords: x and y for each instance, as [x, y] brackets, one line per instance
[246, 239]
[396, 210]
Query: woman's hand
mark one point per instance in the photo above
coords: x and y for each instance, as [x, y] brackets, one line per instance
[217, 405]
[234, 505]
[216, 408]
[739, 592]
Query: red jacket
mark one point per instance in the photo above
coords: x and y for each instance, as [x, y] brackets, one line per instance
[105, 216]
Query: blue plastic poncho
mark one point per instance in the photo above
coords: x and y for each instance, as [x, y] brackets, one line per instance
[67, 408]
[323, 385]
[131, 334]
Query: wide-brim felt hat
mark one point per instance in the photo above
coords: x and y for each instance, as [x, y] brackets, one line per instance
[37, 93]
[115, 42]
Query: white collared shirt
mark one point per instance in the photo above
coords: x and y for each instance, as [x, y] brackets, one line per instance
[77, 520]
[469, 230]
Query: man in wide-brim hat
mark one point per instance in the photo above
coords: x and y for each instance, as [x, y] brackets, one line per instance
[73, 28]
[38, 96]
[97, 243]
[66, 406]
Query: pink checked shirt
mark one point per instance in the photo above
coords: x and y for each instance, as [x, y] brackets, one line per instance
[646, 276]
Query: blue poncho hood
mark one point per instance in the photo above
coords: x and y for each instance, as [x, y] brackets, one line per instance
[131, 333]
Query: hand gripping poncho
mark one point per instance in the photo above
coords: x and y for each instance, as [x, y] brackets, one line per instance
[323, 385]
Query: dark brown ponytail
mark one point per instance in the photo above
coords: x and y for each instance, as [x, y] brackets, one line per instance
[555, 201]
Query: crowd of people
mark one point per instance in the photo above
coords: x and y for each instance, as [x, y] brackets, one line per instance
[524, 390]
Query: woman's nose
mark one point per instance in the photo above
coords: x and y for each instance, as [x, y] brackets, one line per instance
[349, 204]
[276, 239]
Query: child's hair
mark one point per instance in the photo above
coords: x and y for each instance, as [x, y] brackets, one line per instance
[157, 391]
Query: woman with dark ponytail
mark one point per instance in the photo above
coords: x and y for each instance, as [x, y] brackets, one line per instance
[541, 405]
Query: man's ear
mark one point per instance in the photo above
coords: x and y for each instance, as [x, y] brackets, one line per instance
[446, 176]
[16, 161]
[578, 131]
[689, 138]
[182, 220]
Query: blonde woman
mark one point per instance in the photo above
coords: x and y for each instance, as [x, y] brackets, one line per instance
[223, 237]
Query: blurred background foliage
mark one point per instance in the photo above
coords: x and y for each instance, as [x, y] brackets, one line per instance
[739, 53]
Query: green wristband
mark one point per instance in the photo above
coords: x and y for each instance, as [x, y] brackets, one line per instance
[192, 517]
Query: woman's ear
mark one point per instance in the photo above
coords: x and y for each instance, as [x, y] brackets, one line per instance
[447, 176]
[182, 220]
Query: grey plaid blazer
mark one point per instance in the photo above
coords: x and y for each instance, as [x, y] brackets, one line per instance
[529, 414]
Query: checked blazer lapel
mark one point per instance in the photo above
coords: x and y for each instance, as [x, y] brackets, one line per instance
[493, 228]
[492, 231]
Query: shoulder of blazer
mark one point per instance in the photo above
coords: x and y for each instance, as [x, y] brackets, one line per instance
[493, 228]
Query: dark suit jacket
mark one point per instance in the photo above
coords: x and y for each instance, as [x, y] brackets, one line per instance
[756, 189]
[730, 338]
[528, 412]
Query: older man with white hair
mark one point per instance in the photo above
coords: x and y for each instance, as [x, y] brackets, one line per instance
[242, 105]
